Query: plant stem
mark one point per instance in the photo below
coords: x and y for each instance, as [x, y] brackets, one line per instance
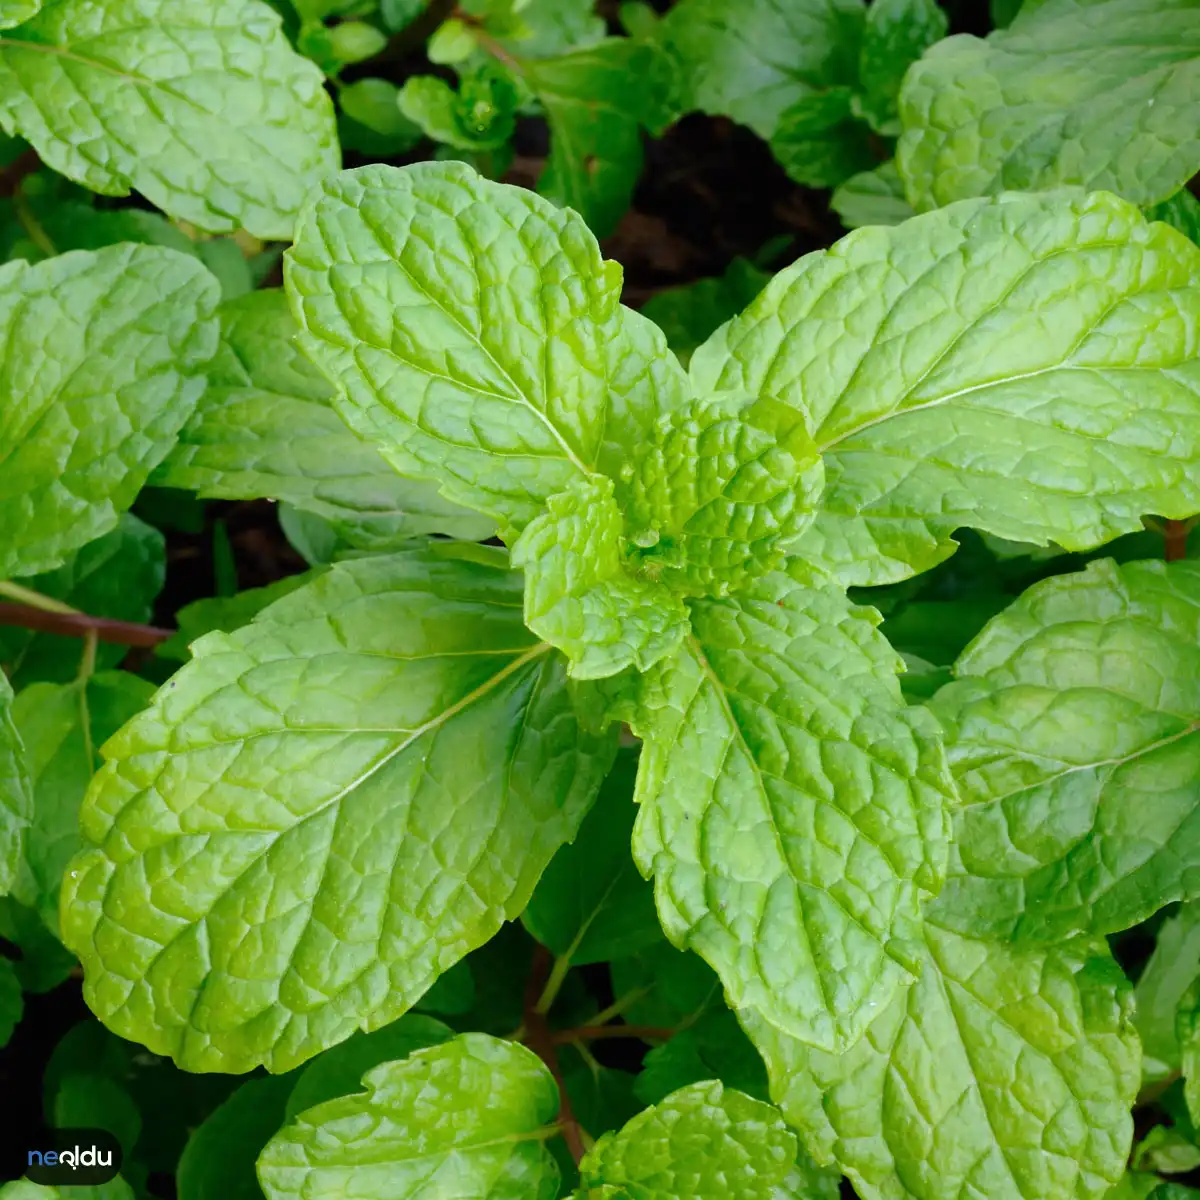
[24, 595]
[595, 1033]
[619, 1005]
[541, 1041]
[76, 624]
[32, 226]
[562, 964]
[1175, 539]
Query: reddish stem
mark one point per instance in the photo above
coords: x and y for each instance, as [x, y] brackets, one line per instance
[1175, 539]
[121, 633]
[593, 1033]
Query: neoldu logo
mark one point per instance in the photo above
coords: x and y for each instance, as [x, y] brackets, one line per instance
[79, 1157]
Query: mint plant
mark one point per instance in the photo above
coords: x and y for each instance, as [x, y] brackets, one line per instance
[739, 749]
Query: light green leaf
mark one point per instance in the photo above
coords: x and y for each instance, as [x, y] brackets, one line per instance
[203, 108]
[582, 593]
[16, 792]
[265, 428]
[896, 34]
[1181, 211]
[591, 904]
[1096, 93]
[502, 364]
[702, 1141]
[118, 575]
[480, 115]
[791, 806]
[218, 1162]
[1001, 1072]
[1072, 733]
[226, 613]
[372, 121]
[16, 12]
[62, 727]
[558, 26]
[873, 197]
[1028, 366]
[467, 1118]
[754, 62]
[325, 810]
[23, 1189]
[132, 328]
[1187, 1033]
[1166, 1149]
[11, 1005]
[718, 491]
[1138, 1186]
[689, 314]
[339, 1070]
[820, 142]
[1172, 968]
[597, 100]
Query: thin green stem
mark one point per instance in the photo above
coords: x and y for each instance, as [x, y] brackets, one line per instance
[24, 595]
[32, 226]
[558, 973]
[619, 1005]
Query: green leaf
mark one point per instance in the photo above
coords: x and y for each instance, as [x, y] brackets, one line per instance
[118, 575]
[597, 99]
[265, 428]
[1049, 339]
[552, 27]
[22, 1189]
[874, 197]
[1172, 968]
[132, 329]
[664, 986]
[591, 904]
[364, 783]
[1139, 1186]
[1181, 211]
[1166, 1149]
[44, 962]
[754, 62]
[819, 140]
[1096, 93]
[338, 1071]
[16, 792]
[1072, 734]
[714, 1047]
[204, 109]
[602, 1098]
[452, 993]
[702, 1141]
[11, 1005]
[218, 1162]
[480, 115]
[791, 806]
[467, 1118]
[896, 34]
[503, 364]
[17, 12]
[84, 1100]
[371, 107]
[62, 727]
[581, 593]
[689, 314]
[1187, 1033]
[1001, 1072]
[226, 613]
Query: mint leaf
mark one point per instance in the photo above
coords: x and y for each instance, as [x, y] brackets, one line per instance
[689, 314]
[1166, 1149]
[11, 1004]
[218, 1162]
[1101, 95]
[266, 428]
[1172, 968]
[896, 34]
[22, 1189]
[1072, 733]
[1052, 339]
[874, 197]
[339, 1070]
[664, 986]
[43, 963]
[820, 142]
[118, 575]
[132, 328]
[1001, 1072]
[62, 727]
[591, 904]
[226, 613]
[16, 12]
[1181, 211]
[718, 491]
[16, 799]
[754, 63]
[704, 1140]
[581, 592]
[204, 109]
[465, 1118]
[557, 26]
[480, 115]
[714, 1047]
[503, 364]
[452, 993]
[780, 717]
[312, 824]
[1187, 1032]
[597, 100]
